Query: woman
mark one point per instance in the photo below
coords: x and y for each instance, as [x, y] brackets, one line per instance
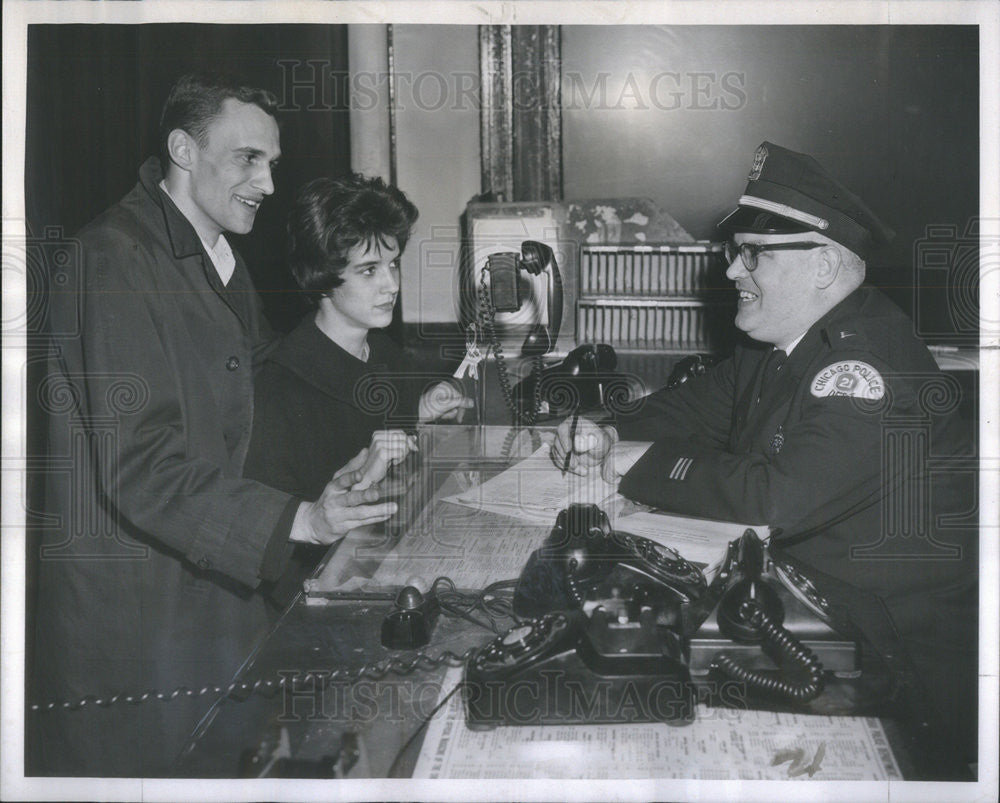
[336, 384]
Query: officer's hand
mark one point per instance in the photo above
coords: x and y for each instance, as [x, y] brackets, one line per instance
[337, 512]
[443, 402]
[590, 447]
[388, 447]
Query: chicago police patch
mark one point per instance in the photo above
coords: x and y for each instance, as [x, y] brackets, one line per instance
[848, 378]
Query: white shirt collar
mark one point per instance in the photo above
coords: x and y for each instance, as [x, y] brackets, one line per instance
[220, 252]
[788, 349]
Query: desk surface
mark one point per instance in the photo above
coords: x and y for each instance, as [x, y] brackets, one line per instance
[336, 639]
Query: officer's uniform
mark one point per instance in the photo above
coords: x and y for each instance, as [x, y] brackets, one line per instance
[830, 448]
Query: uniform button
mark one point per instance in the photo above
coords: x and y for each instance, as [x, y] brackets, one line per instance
[204, 563]
[233, 363]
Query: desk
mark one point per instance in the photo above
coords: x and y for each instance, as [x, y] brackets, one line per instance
[336, 636]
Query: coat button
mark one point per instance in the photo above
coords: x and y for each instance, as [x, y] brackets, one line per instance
[204, 563]
[233, 363]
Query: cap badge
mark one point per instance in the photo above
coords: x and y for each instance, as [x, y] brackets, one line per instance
[758, 163]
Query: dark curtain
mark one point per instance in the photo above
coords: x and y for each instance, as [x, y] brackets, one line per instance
[94, 95]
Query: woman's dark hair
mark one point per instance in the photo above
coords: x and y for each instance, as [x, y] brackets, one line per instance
[331, 216]
[196, 99]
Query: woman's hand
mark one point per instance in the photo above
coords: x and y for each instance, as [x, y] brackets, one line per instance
[443, 402]
[388, 447]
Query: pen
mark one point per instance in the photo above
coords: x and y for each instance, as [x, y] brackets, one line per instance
[572, 439]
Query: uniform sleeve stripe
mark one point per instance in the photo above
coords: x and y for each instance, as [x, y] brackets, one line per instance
[680, 469]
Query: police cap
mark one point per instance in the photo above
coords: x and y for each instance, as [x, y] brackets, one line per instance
[789, 192]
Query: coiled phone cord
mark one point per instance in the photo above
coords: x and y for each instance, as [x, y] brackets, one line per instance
[244, 690]
[489, 315]
[787, 646]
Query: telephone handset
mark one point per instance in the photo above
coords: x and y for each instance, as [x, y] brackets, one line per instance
[751, 612]
[585, 378]
[606, 641]
[614, 612]
[584, 564]
[502, 293]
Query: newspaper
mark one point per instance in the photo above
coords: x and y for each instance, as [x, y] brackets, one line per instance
[722, 744]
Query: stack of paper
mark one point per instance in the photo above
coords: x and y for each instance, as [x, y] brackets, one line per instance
[535, 490]
[698, 540]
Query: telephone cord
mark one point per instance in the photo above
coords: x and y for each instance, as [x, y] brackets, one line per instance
[393, 768]
[787, 646]
[491, 601]
[243, 690]
[512, 435]
[489, 312]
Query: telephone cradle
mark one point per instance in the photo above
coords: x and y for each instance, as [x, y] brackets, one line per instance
[617, 629]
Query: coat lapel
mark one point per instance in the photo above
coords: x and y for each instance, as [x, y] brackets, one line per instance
[186, 244]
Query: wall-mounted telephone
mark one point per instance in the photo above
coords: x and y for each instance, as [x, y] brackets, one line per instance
[617, 597]
[500, 290]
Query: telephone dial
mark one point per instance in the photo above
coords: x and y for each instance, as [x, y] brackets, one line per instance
[621, 626]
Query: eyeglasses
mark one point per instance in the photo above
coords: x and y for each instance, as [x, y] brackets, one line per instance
[749, 252]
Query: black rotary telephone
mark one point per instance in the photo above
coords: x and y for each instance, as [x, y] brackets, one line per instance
[751, 612]
[606, 642]
[585, 379]
[619, 616]
[500, 291]
[584, 564]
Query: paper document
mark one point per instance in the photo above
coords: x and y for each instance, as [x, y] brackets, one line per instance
[627, 453]
[698, 540]
[722, 744]
[535, 490]
[472, 548]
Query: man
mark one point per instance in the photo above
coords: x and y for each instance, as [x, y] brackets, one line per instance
[147, 576]
[822, 429]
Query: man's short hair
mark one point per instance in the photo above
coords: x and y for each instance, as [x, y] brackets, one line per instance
[331, 216]
[196, 99]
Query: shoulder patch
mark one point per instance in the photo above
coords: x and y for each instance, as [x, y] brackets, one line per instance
[848, 378]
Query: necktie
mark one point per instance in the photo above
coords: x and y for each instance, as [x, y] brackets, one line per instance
[772, 365]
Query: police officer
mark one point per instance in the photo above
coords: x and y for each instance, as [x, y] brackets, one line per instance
[821, 426]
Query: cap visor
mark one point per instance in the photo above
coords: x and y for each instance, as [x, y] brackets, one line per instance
[749, 219]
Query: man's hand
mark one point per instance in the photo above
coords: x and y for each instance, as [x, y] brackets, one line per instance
[443, 402]
[337, 512]
[590, 447]
[388, 447]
